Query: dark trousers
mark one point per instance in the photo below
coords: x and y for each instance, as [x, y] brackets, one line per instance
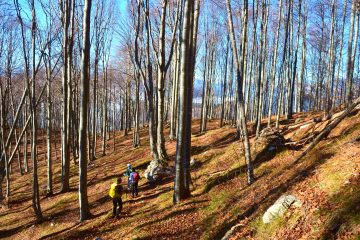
[134, 189]
[117, 202]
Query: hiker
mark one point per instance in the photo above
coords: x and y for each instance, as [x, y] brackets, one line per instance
[115, 193]
[127, 174]
[134, 179]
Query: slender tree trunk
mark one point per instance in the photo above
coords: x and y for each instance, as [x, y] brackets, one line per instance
[49, 128]
[301, 90]
[335, 94]
[35, 183]
[105, 106]
[84, 101]
[160, 144]
[239, 67]
[294, 71]
[174, 95]
[352, 43]
[205, 77]
[94, 108]
[331, 65]
[65, 161]
[136, 142]
[223, 97]
[281, 81]
[148, 81]
[260, 84]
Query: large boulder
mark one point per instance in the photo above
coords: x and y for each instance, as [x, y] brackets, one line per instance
[270, 139]
[280, 207]
[157, 171]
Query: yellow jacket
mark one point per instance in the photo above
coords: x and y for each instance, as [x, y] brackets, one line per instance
[115, 190]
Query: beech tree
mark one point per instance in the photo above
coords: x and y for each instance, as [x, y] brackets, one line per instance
[84, 102]
[239, 70]
[303, 58]
[186, 80]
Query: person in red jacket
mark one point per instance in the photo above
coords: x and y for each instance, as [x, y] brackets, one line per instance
[134, 180]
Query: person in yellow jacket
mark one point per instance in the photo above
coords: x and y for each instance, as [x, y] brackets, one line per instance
[115, 193]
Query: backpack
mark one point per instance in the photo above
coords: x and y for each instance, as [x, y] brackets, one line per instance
[136, 177]
[115, 190]
[118, 190]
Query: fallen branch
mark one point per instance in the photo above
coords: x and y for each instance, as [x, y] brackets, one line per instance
[92, 179]
[328, 129]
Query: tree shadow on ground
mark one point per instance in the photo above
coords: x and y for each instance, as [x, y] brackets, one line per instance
[10, 232]
[149, 196]
[274, 193]
[10, 211]
[51, 235]
[167, 216]
[350, 208]
[219, 143]
[263, 156]
[151, 186]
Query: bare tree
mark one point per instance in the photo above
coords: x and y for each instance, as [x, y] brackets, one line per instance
[239, 69]
[352, 44]
[84, 104]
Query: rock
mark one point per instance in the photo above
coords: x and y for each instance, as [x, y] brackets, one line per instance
[156, 171]
[269, 139]
[280, 207]
[193, 162]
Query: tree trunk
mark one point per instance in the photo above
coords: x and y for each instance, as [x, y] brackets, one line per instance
[65, 161]
[174, 94]
[32, 96]
[223, 97]
[281, 80]
[331, 65]
[239, 68]
[136, 142]
[49, 128]
[294, 71]
[260, 84]
[301, 90]
[105, 106]
[148, 81]
[161, 74]
[84, 101]
[352, 44]
[335, 94]
[181, 184]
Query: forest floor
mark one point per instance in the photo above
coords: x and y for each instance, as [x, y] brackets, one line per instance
[327, 182]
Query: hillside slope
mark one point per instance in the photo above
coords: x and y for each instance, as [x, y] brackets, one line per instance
[326, 181]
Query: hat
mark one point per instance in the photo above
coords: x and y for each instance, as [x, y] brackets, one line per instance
[129, 165]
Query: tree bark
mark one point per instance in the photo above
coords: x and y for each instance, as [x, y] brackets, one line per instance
[181, 190]
[335, 93]
[32, 96]
[352, 45]
[223, 97]
[239, 68]
[84, 101]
